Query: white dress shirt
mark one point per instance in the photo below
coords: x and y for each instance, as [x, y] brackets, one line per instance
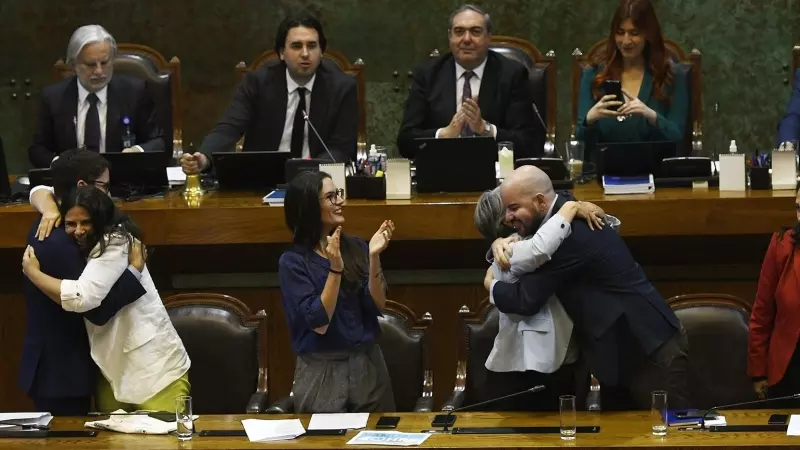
[292, 102]
[138, 350]
[474, 84]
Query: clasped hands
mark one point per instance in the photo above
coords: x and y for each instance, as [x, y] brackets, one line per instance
[468, 114]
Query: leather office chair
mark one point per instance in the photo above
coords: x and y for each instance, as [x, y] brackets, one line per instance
[228, 349]
[689, 63]
[542, 73]
[795, 64]
[163, 80]
[717, 328]
[330, 58]
[405, 351]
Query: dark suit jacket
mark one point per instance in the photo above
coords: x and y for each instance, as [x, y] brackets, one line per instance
[127, 97]
[505, 101]
[616, 311]
[775, 318]
[789, 126]
[258, 111]
[56, 362]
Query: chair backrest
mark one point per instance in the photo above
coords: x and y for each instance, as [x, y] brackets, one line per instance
[356, 69]
[795, 63]
[405, 350]
[228, 349]
[163, 79]
[542, 73]
[717, 328]
[690, 64]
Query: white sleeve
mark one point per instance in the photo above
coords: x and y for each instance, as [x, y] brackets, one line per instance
[98, 277]
[39, 188]
[530, 254]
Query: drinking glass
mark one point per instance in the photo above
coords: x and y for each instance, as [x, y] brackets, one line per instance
[566, 407]
[183, 417]
[658, 413]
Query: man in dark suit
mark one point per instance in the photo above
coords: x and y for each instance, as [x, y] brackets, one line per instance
[471, 91]
[268, 107]
[634, 342]
[789, 127]
[94, 109]
[57, 370]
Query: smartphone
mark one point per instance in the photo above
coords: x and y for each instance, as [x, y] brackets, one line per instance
[778, 419]
[614, 87]
[387, 423]
[442, 420]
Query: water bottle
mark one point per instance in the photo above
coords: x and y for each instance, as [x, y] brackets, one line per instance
[593, 399]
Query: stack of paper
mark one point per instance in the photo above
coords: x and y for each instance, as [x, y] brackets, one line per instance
[14, 421]
[176, 176]
[394, 438]
[274, 198]
[628, 185]
[338, 421]
[272, 430]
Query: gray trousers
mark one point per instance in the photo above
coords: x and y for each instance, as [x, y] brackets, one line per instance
[353, 380]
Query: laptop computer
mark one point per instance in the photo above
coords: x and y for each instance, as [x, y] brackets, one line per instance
[456, 164]
[633, 158]
[137, 174]
[256, 171]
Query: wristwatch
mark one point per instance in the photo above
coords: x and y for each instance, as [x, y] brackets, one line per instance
[487, 128]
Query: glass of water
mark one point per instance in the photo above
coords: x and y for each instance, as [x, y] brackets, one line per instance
[658, 413]
[183, 417]
[569, 419]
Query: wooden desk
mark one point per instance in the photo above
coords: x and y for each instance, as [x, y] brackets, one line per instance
[236, 218]
[618, 430]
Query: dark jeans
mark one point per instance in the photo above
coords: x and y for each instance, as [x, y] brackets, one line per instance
[666, 369]
[572, 379]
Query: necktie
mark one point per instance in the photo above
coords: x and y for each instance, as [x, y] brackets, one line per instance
[91, 131]
[466, 131]
[299, 126]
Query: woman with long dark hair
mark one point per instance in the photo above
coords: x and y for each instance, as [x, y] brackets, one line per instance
[333, 291]
[656, 92]
[141, 358]
[774, 362]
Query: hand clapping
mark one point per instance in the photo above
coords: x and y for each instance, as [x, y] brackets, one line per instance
[380, 240]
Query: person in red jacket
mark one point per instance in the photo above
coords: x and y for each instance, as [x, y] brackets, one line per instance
[773, 362]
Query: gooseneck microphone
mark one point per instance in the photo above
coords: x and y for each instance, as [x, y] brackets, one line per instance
[314, 129]
[752, 402]
[544, 126]
[532, 390]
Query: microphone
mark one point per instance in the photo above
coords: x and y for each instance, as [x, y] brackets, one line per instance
[532, 390]
[752, 402]
[311, 125]
[544, 126]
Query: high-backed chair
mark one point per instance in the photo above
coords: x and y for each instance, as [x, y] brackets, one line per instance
[228, 349]
[356, 69]
[405, 351]
[689, 63]
[717, 328]
[542, 73]
[163, 80]
[795, 63]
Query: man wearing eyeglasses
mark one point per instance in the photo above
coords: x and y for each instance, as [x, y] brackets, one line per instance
[471, 91]
[94, 109]
[57, 370]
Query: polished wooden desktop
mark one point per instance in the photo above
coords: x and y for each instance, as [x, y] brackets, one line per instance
[240, 218]
[618, 430]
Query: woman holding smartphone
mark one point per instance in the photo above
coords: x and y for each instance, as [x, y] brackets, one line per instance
[333, 291]
[635, 64]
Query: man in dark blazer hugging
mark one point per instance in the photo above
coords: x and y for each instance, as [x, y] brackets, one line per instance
[270, 103]
[471, 91]
[94, 109]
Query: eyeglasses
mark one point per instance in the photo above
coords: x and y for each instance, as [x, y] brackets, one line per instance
[332, 196]
[102, 185]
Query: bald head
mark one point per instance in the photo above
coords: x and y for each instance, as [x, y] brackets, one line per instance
[527, 196]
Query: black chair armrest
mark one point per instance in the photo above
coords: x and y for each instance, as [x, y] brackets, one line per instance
[257, 403]
[282, 406]
[424, 404]
[455, 401]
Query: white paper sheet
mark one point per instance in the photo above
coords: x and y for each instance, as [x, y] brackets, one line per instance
[794, 425]
[272, 430]
[393, 438]
[35, 418]
[349, 421]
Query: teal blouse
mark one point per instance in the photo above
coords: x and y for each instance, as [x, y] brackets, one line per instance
[670, 124]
